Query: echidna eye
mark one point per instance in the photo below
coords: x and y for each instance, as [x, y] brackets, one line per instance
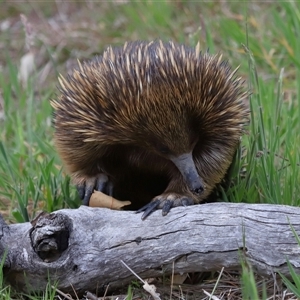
[160, 147]
[163, 150]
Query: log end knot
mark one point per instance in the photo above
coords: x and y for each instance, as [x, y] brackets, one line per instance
[50, 235]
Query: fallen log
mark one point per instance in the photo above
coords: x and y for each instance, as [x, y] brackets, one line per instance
[82, 248]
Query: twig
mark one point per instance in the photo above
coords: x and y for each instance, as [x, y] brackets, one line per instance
[61, 293]
[150, 288]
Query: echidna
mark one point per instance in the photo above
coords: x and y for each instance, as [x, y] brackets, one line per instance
[156, 123]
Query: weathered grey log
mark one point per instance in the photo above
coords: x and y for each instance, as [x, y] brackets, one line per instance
[83, 247]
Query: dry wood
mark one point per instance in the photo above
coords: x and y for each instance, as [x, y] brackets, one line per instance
[84, 247]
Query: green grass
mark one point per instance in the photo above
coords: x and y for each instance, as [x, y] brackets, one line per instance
[30, 170]
[261, 38]
[269, 170]
[292, 283]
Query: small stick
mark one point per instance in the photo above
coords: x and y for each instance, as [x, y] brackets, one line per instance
[150, 288]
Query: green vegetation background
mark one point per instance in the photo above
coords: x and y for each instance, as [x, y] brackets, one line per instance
[262, 38]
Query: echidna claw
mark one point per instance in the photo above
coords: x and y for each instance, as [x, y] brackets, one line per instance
[99, 183]
[187, 201]
[81, 190]
[148, 209]
[87, 195]
[104, 185]
[165, 202]
[166, 207]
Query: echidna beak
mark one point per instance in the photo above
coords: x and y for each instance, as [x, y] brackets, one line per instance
[187, 168]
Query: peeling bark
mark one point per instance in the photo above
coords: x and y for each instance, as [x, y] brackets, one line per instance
[83, 247]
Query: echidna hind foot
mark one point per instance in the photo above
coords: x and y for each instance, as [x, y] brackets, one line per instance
[86, 186]
[165, 202]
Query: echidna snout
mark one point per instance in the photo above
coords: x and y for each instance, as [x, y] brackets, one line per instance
[187, 168]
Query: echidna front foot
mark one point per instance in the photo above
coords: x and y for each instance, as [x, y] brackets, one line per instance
[99, 183]
[165, 202]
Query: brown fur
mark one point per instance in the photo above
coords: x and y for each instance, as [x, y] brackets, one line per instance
[125, 113]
